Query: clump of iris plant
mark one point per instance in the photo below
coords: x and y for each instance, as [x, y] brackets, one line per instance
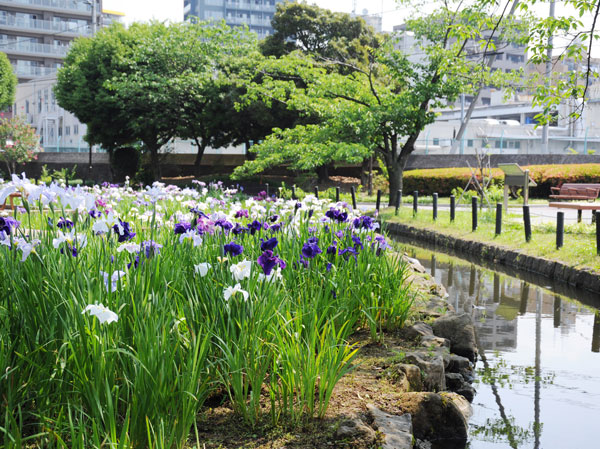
[123, 231]
[233, 248]
[8, 224]
[268, 261]
[311, 248]
[183, 227]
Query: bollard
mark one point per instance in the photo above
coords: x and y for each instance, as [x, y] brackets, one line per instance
[317, 192]
[353, 192]
[452, 207]
[293, 192]
[267, 189]
[598, 237]
[400, 196]
[527, 223]
[435, 208]
[378, 204]
[498, 218]
[496, 297]
[560, 229]
[474, 213]
[398, 199]
[415, 201]
[337, 194]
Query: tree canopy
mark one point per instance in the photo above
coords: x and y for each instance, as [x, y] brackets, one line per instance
[8, 82]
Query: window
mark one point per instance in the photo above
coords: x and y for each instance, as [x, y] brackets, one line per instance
[486, 101]
[470, 143]
[67, 130]
[75, 130]
[27, 106]
[436, 141]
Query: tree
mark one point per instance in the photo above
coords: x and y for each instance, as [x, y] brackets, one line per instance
[8, 82]
[382, 104]
[19, 142]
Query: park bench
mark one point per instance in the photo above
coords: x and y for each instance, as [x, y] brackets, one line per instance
[579, 207]
[587, 192]
[10, 199]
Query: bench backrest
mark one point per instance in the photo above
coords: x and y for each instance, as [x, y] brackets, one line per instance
[574, 186]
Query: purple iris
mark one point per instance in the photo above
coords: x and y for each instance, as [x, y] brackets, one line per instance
[337, 215]
[94, 213]
[267, 260]
[348, 252]
[241, 213]
[328, 267]
[273, 218]
[357, 242]
[233, 248]
[226, 225]
[239, 229]
[72, 249]
[364, 222]
[311, 248]
[269, 244]
[65, 223]
[198, 212]
[255, 226]
[381, 244]
[126, 234]
[8, 223]
[339, 234]
[135, 263]
[150, 248]
[183, 227]
[275, 227]
[332, 249]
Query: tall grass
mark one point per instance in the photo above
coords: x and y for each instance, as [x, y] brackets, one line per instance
[69, 380]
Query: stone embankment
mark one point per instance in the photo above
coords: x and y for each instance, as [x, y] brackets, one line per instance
[434, 377]
[552, 269]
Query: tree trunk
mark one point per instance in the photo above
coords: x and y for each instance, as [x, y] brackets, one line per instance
[364, 173]
[395, 183]
[154, 162]
[201, 147]
[323, 173]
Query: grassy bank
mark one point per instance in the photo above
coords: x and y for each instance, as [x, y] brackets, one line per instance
[579, 248]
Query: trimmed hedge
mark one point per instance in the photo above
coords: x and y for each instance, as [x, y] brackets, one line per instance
[444, 180]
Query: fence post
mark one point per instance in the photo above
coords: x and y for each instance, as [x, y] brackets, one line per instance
[317, 192]
[378, 204]
[267, 189]
[560, 229]
[598, 236]
[452, 207]
[435, 206]
[474, 213]
[527, 223]
[398, 199]
[337, 194]
[353, 193]
[415, 201]
[293, 192]
[498, 218]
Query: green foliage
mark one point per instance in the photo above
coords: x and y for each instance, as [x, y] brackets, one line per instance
[19, 142]
[8, 82]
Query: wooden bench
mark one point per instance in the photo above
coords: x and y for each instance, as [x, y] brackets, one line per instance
[579, 207]
[576, 192]
[10, 200]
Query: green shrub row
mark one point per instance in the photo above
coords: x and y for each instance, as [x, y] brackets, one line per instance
[444, 180]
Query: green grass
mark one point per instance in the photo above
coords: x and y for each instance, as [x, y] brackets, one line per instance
[579, 248]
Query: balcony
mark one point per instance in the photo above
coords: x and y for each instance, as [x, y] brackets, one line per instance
[248, 21]
[44, 26]
[75, 7]
[249, 6]
[33, 49]
[33, 72]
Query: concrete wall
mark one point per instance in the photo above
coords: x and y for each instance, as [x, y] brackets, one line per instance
[455, 160]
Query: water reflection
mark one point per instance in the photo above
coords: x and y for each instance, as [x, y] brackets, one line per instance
[539, 370]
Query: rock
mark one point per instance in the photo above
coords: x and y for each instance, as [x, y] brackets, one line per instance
[467, 391]
[454, 381]
[396, 430]
[463, 405]
[407, 377]
[415, 264]
[420, 444]
[431, 341]
[461, 333]
[417, 330]
[432, 368]
[437, 307]
[459, 364]
[355, 429]
[435, 417]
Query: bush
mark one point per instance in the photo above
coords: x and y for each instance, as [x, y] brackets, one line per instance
[444, 180]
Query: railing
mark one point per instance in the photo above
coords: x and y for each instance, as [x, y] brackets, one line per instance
[24, 71]
[249, 6]
[33, 47]
[75, 5]
[45, 25]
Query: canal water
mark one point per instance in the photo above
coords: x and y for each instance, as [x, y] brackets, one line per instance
[538, 374]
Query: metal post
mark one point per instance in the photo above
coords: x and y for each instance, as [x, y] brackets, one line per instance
[267, 189]
[378, 203]
[435, 206]
[545, 129]
[527, 223]
[498, 218]
[337, 194]
[93, 3]
[452, 207]
[398, 198]
[317, 192]
[579, 215]
[526, 188]
[293, 192]
[598, 237]
[496, 297]
[560, 229]
[415, 201]
[353, 193]
[474, 213]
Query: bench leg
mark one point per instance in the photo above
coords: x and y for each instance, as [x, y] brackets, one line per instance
[579, 215]
[593, 216]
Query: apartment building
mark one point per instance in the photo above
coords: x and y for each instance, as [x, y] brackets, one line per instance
[36, 34]
[256, 14]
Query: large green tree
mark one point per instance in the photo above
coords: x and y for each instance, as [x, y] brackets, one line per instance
[8, 82]
[378, 106]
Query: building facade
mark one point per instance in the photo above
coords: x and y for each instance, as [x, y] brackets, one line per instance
[36, 34]
[256, 14]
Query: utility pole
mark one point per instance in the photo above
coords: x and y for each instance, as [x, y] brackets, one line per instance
[94, 18]
[545, 130]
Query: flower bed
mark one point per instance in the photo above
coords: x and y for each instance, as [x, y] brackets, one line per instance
[122, 311]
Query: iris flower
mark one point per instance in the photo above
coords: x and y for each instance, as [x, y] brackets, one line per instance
[233, 248]
[104, 314]
[311, 248]
[269, 244]
[202, 268]
[232, 291]
[241, 270]
[267, 260]
[114, 279]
